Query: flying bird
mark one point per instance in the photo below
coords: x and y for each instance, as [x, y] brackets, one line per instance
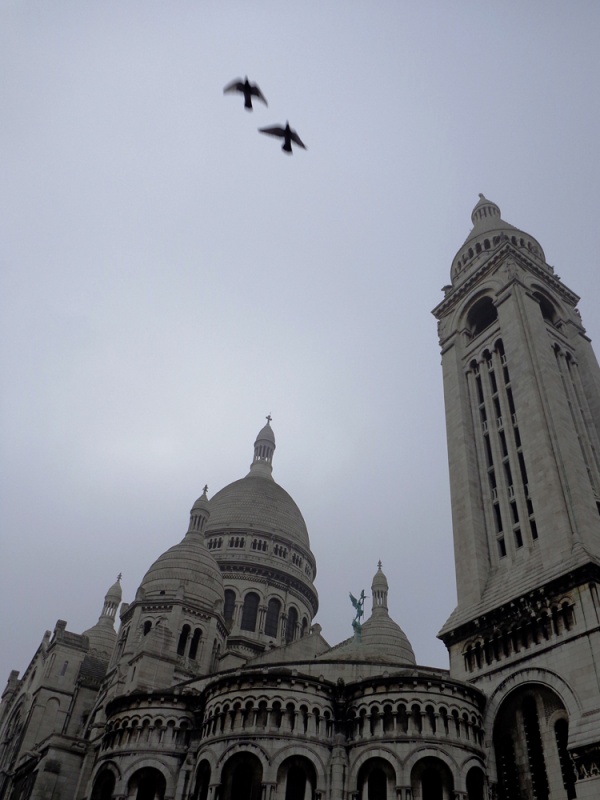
[288, 134]
[249, 90]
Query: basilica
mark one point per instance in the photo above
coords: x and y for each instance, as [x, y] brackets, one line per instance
[215, 683]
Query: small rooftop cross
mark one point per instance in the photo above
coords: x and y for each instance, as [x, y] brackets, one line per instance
[269, 417]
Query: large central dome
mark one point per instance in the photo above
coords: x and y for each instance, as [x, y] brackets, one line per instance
[260, 542]
[258, 503]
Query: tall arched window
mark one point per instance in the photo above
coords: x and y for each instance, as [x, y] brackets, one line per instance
[298, 778]
[183, 637]
[475, 784]
[194, 643]
[202, 781]
[481, 315]
[147, 784]
[241, 778]
[229, 607]
[249, 612]
[431, 779]
[374, 777]
[104, 785]
[272, 621]
[292, 624]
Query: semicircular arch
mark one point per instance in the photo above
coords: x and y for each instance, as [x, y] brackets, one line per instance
[385, 753]
[305, 752]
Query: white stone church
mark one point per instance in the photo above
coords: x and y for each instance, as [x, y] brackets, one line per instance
[219, 686]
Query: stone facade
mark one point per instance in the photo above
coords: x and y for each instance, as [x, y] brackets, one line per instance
[220, 686]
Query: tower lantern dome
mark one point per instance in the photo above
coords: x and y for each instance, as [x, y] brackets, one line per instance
[264, 447]
[485, 209]
[490, 233]
[200, 513]
[379, 588]
[102, 636]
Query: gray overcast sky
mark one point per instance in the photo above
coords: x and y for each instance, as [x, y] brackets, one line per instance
[169, 276]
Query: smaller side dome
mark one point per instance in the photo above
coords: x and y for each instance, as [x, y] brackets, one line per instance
[380, 635]
[381, 640]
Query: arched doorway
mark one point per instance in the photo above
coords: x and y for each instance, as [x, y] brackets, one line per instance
[104, 785]
[530, 738]
[376, 780]
[296, 779]
[431, 779]
[147, 784]
[475, 784]
[241, 778]
[202, 781]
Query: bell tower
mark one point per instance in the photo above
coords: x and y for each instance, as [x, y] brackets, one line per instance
[522, 397]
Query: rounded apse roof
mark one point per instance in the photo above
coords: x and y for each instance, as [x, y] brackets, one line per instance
[257, 502]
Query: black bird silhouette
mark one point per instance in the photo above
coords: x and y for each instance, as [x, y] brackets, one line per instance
[288, 134]
[249, 90]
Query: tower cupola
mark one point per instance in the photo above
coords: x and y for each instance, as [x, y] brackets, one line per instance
[485, 210]
[200, 513]
[264, 447]
[379, 589]
[489, 234]
[102, 636]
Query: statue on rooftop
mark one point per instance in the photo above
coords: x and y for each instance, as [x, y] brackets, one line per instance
[359, 608]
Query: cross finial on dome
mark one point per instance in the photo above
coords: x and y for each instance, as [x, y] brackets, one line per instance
[205, 490]
[379, 565]
[119, 576]
[269, 418]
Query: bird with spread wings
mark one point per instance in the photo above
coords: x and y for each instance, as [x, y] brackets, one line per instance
[288, 135]
[249, 90]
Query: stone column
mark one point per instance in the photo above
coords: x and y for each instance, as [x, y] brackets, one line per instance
[339, 762]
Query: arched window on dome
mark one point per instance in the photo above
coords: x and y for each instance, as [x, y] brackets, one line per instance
[292, 625]
[272, 621]
[229, 606]
[183, 637]
[304, 629]
[250, 612]
[194, 643]
[147, 627]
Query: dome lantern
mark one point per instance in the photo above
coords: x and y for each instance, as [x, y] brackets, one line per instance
[200, 513]
[379, 588]
[264, 447]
